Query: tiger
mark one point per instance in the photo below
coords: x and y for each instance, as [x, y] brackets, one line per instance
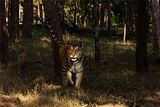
[71, 59]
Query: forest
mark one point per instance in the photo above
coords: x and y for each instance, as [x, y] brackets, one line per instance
[47, 47]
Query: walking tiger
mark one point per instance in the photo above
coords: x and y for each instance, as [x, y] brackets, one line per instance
[71, 59]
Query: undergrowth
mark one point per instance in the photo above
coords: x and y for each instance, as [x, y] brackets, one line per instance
[28, 81]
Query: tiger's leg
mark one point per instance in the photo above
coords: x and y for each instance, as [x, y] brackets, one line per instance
[79, 77]
[64, 79]
[69, 78]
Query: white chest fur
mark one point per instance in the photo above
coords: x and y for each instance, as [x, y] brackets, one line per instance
[77, 67]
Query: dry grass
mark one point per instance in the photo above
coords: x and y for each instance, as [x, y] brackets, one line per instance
[27, 81]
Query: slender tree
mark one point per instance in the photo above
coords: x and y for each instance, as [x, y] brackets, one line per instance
[3, 34]
[36, 12]
[155, 25]
[75, 13]
[27, 18]
[141, 36]
[96, 27]
[13, 19]
[40, 10]
[83, 4]
[102, 14]
[131, 15]
[61, 10]
[125, 22]
[109, 16]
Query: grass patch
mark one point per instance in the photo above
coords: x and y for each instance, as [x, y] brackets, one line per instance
[27, 81]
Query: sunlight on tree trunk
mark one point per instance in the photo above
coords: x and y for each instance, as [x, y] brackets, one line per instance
[124, 33]
[125, 23]
[36, 13]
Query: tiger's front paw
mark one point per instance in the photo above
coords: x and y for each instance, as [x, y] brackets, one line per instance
[78, 91]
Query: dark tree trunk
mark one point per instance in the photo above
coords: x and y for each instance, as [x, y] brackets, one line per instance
[141, 36]
[131, 16]
[96, 26]
[127, 14]
[36, 12]
[51, 15]
[41, 11]
[13, 20]
[61, 14]
[27, 18]
[84, 14]
[155, 25]
[75, 13]
[102, 14]
[109, 16]
[3, 34]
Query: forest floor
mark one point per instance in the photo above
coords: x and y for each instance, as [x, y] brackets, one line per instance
[27, 80]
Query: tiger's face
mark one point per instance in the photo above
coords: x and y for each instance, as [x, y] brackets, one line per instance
[75, 53]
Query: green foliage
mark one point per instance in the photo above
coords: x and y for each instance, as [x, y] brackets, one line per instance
[38, 1]
[117, 10]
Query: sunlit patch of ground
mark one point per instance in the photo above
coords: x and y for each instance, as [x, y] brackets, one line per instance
[39, 99]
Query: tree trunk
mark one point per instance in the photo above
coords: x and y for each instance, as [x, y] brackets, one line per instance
[27, 19]
[131, 16]
[36, 13]
[41, 11]
[155, 25]
[109, 17]
[3, 34]
[102, 14]
[124, 33]
[51, 15]
[84, 14]
[125, 28]
[141, 36]
[6, 9]
[61, 14]
[96, 26]
[13, 20]
[75, 13]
